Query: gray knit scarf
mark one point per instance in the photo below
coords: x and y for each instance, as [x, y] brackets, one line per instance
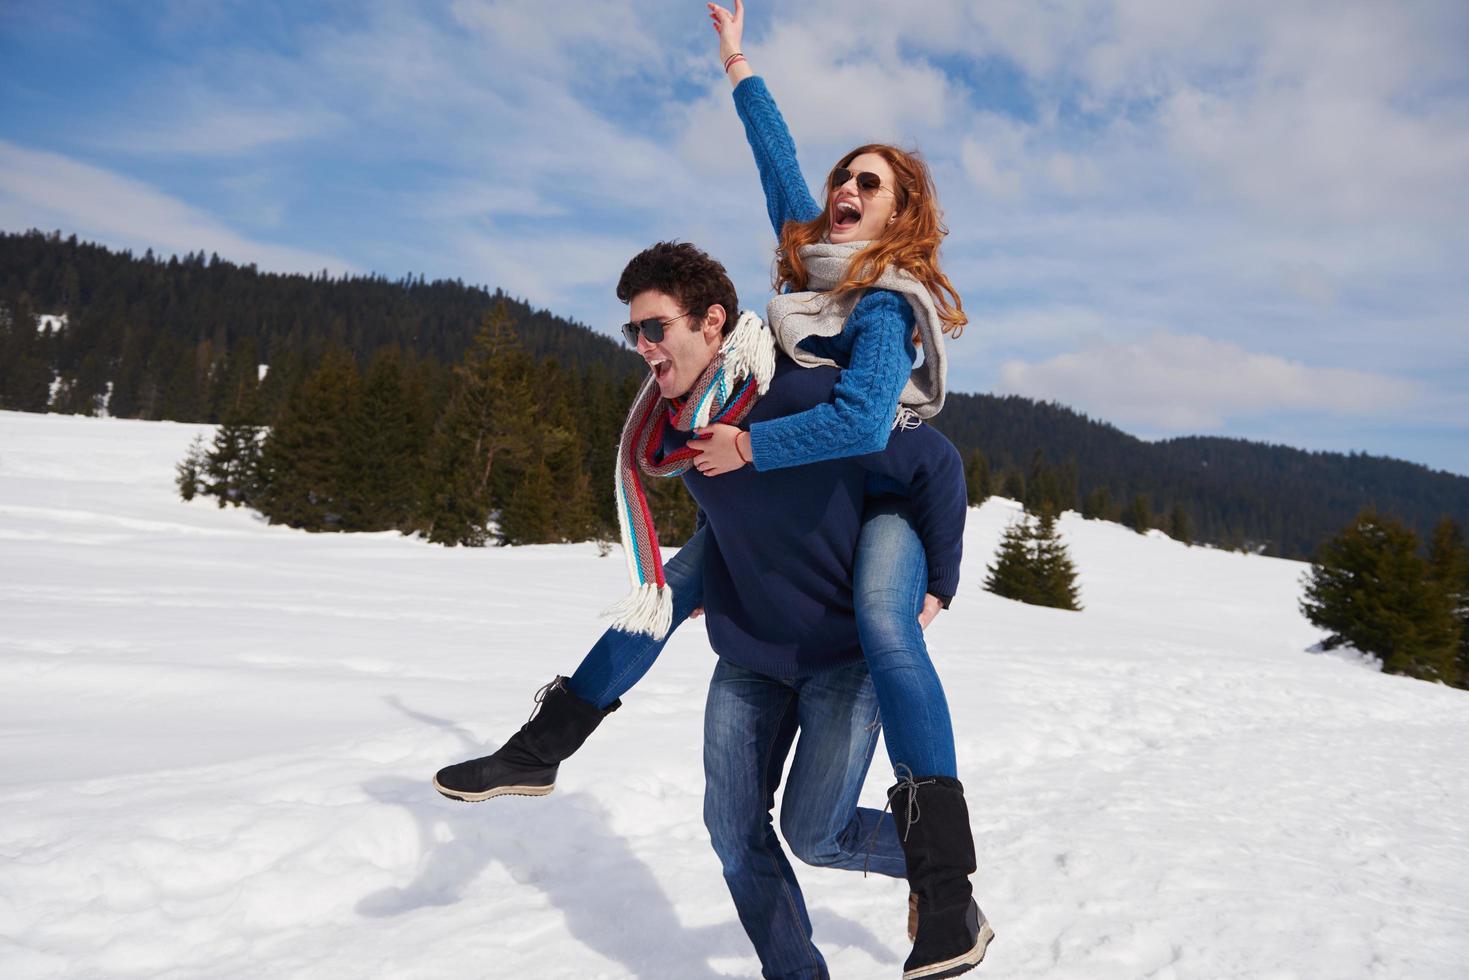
[817, 312]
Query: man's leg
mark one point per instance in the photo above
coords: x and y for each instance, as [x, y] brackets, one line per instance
[749, 721]
[572, 708]
[819, 816]
[619, 659]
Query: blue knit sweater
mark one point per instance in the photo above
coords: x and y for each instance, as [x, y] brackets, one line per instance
[780, 546]
[875, 347]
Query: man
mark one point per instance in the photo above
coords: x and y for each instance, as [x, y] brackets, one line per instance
[777, 565]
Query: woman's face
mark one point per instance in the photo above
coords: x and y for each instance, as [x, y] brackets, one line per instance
[861, 215]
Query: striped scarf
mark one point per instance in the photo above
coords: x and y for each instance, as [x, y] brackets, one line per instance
[738, 375]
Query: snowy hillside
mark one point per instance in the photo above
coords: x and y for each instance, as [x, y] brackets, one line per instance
[216, 738]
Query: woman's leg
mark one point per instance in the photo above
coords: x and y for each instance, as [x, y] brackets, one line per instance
[890, 580]
[928, 800]
[619, 660]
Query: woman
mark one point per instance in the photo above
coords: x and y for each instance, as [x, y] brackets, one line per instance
[880, 227]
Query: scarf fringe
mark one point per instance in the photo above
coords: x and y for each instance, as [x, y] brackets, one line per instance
[749, 352]
[648, 609]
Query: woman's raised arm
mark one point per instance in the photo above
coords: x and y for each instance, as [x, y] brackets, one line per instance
[787, 198]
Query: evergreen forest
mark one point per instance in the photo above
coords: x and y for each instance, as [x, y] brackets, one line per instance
[375, 394]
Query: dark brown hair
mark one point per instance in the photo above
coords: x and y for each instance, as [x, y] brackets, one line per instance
[685, 272]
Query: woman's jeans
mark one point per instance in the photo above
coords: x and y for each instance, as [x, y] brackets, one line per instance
[889, 582]
[750, 720]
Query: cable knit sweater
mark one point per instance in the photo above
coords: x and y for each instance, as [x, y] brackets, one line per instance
[875, 348]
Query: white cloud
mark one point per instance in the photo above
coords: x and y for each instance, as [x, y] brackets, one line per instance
[1173, 382]
[220, 129]
[46, 190]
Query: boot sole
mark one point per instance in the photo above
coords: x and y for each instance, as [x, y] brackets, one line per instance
[959, 964]
[464, 797]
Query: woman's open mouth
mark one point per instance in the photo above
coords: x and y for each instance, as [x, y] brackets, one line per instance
[845, 215]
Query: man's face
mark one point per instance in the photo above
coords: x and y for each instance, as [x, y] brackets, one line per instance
[689, 341]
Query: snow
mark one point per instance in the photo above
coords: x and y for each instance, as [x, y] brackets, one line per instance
[216, 738]
[51, 321]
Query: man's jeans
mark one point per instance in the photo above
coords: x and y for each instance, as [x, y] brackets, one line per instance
[889, 582]
[750, 721]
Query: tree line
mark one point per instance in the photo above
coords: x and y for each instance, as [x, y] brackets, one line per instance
[500, 448]
[180, 338]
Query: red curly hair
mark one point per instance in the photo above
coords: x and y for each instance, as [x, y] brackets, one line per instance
[910, 242]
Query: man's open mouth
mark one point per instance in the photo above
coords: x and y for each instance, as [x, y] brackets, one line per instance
[660, 367]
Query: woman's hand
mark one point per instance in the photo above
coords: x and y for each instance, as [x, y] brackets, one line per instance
[731, 29]
[719, 447]
[932, 606]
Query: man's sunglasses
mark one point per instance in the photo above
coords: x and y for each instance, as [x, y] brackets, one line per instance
[651, 329]
[867, 181]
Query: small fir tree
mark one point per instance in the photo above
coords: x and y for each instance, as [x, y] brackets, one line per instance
[232, 464]
[1370, 588]
[1033, 565]
[1055, 572]
[190, 470]
[1012, 575]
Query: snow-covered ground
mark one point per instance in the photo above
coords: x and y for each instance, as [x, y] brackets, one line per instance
[216, 738]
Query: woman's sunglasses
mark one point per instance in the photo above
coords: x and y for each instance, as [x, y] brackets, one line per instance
[651, 328]
[867, 181]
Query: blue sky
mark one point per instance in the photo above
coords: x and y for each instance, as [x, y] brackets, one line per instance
[1231, 217]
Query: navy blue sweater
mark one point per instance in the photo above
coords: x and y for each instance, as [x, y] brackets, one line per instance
[780, 545]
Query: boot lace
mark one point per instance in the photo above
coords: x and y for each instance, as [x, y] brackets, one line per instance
[906, 781]
[540, 696]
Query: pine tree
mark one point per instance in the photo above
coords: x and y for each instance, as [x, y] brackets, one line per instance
[1448, 563]
[1055, 572]
[1012, 486]
[1179, 526]
[384, 443]
[1371, 589]
[232, 464]
[1098, 506]
[490, 419]
[25, 367]
[190, 470]
[302, 463]
[1013, 574]
[1136, 515]
[1033, 564]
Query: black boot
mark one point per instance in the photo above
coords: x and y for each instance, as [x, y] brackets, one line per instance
[526, 764]
[933, 824]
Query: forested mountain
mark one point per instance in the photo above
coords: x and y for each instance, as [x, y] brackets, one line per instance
[156, 327]
[1234, 492]
[180, 338]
